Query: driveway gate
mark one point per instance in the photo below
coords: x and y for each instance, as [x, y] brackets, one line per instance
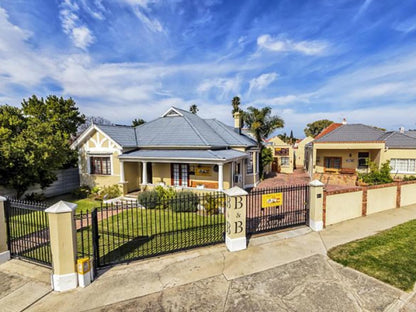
[28, 231]
[272, 209]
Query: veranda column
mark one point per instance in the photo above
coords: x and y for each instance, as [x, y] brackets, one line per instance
[316, 194]
[63, 236]
[232, 173]
[144, 172]
[122, 179]
[220, 176]
[4, 250]
[236, 211]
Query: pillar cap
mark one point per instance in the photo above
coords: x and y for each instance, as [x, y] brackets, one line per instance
[62, 207]
[235, 191]
[2, 199]
[316, 183]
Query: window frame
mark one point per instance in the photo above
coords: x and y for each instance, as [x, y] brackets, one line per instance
[332, 158]
[287, 161]
[366, 159]
[102, 159]
[394, 161]
[250, 163]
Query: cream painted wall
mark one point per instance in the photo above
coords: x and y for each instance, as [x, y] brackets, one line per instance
[408, 195]
[278, 143]
[381, 199]
[341, 207]
[345, 155]
[132, 175]
[300, 151]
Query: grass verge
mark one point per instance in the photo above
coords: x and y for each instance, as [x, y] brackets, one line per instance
[389, 256]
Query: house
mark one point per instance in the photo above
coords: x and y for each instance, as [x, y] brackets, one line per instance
[283, 157]
[346, 149]
[299, 151]
[178, 149]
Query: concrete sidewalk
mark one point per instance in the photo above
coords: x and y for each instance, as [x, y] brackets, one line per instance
[218, 271]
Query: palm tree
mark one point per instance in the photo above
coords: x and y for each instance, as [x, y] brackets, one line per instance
[137, 122]
[236, 105]
[193, 109]
[260, 122]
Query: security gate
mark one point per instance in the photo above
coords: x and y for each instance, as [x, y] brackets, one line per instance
[272, 209]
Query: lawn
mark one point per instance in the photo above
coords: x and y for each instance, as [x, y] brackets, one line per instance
[138, 233]
[84, 205]
[389, 256]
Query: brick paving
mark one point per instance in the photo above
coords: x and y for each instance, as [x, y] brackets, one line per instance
[299, 176]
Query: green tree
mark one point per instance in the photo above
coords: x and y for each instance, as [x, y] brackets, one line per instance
[314, 128]
[261, 124]
[194, 109]
[36, 141]
[137, 122]
[266, 157]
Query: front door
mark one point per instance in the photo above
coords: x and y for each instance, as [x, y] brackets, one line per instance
[180, 175]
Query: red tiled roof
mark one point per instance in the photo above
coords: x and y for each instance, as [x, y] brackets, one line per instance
[328, 129]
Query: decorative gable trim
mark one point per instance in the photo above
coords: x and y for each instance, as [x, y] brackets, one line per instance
[172, 112]
[87, 134]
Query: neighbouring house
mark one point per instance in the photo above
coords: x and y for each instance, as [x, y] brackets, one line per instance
[178, 149]
[283, 157]
[299, 152]
[343, 150]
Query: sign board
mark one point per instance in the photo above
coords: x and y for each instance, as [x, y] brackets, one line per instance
[281, 152]
[271, 200]
[203, 171]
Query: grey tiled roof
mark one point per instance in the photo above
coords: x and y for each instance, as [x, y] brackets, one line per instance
[123, 135]
[352, 133]
[363, 133]
[398, 140]
[188, 130]
[411, 133]
[183, 154]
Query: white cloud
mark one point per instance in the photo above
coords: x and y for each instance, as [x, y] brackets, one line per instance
[362, 9]
[311, 47]
[227, 86]
[142, 10]
[406, 26]
[262, 81]
[79, 33]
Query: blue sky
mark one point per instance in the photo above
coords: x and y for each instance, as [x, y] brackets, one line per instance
[123, 59]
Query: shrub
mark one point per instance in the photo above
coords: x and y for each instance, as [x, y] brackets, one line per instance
[35, 197]
[409, 178]
[212, 203]
[109, 192]
[165, 194]
[82, 192]
[149, 199]
[185, 201]
[377, 176]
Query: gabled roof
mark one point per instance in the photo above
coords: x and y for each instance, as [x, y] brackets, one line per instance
[363, 133]
[411, 133]
[352, 133]
[177, 128]
[328, 129]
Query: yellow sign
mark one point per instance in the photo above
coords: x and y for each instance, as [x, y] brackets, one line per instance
[83, 265]
[271, 200]
[203, 171]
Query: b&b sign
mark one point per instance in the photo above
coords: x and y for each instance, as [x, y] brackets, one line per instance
[271, 200]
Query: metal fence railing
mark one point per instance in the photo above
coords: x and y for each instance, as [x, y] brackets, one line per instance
[292, 211]
[153, 226]
[28, 231]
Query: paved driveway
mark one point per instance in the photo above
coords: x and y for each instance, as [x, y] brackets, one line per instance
[311, 284]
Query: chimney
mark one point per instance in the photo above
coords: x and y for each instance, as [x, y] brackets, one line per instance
[401, 129]
[237, 122]
[344, 121]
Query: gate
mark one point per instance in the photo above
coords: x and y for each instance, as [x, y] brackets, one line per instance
[277, 208]
[28, 231]
[155, 226]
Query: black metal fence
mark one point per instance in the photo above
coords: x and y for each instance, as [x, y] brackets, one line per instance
[28, 231]
[292, 211]
[155, 226]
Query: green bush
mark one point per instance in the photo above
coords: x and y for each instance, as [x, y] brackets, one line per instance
[409, 178]
[377, 176]
[185, 201]
[149, 199]
[82, 192]
[35, 197]
[109, 192]
[212, 203]
[165, 194]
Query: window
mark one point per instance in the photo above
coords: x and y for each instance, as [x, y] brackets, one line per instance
[180, 175]
[332, 162]
[284, 161]
[250, 163]
[100, 165]
[403, 165]
[363, 158]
